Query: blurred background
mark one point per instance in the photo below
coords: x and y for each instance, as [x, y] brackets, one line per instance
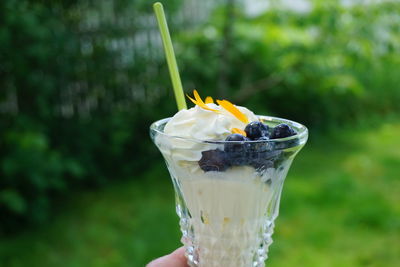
[81, 184]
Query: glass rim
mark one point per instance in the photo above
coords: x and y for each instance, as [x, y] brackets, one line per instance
[302, 132]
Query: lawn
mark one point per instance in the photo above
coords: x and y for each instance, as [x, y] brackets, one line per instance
[340, 207]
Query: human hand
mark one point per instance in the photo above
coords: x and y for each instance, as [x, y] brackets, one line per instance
[175, 259]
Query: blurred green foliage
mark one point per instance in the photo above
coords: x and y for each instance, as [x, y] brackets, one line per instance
[75, 110]
[330, 66]
[52, 140]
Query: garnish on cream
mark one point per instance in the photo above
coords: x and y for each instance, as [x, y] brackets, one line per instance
[239, 131]
[209, 100]
[208, 121]
[234, 110]
[198, 101]
[224, 107]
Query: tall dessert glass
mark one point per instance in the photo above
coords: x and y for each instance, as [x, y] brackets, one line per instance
[227, 212]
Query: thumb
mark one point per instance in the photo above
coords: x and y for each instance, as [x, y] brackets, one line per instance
[175, 259]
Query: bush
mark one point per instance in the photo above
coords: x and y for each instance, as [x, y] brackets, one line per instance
[69, 116]
[324, 68]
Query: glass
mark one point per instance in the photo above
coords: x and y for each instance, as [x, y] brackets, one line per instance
[228, 192]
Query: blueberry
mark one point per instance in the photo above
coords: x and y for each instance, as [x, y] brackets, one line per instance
[261, 154]
[236, 151]
[261, 145]
[256, 129]
[213, 160]
[265, 160]
[238, 143]
[273, 155]
[281, 131]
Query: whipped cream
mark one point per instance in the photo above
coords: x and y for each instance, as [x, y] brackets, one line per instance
[198, 124]
[201, 124]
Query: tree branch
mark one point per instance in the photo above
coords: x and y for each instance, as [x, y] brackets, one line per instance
[258, 86]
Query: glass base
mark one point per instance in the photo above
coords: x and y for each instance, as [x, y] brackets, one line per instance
[228, 220]
[236, 251]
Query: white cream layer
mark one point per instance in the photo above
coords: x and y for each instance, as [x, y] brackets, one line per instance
[198, 123]
[228, 210]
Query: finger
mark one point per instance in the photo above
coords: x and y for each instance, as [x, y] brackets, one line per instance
[175, 259]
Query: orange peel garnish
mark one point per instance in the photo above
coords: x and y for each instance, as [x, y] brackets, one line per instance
[209, 100]
[233, 110]
[198, 101]
[238, 131]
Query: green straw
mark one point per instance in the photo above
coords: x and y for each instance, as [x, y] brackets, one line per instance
[170, 55]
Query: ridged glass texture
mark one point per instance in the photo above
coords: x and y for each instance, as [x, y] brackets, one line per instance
[227, 217]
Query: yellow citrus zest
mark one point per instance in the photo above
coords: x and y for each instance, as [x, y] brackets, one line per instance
[238, 131]
[209, 100]
[198, 101]
[233, 110]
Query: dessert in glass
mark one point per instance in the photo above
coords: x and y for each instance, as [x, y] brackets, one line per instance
[227, 166]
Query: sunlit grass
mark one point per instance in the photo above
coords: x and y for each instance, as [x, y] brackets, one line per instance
[340, 207]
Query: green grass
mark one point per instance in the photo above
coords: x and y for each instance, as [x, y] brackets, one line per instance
[340, 207]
